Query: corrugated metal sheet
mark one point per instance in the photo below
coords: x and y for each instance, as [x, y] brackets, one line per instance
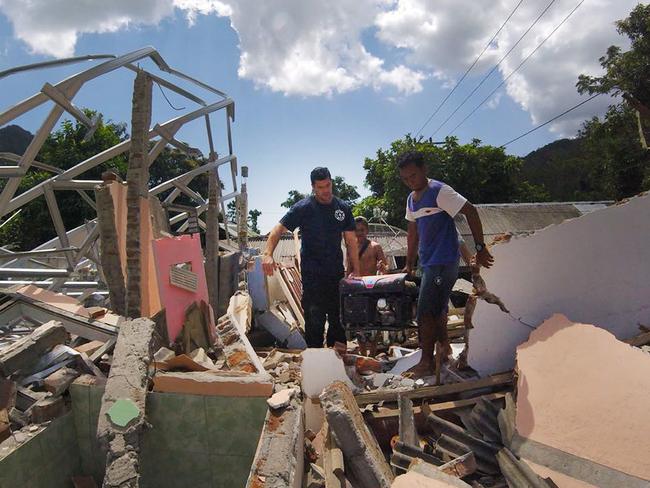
[497, 219]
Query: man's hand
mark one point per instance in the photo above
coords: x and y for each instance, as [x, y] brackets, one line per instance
[354, 274]
[268, 264]
[484, 258]
[408, 269]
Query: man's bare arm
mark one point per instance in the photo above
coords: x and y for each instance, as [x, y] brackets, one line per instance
[483, 257]
[353, 251]
[268, 264]
[382, 262]
[412, 247]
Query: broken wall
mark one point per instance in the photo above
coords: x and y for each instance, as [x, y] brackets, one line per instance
[594, 269]
[150, 299]
[194, 440]
[49, 459]
[582, 405]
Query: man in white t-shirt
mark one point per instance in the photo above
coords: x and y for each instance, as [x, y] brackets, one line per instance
[432, 236]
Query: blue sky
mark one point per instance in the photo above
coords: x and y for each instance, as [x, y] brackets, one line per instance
[286, 125]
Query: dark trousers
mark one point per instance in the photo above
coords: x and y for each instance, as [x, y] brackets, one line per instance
[320, 301]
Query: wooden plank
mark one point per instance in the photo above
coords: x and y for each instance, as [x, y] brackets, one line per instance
[407, 432]
[332, 461]
[435, 391]
[387, 412]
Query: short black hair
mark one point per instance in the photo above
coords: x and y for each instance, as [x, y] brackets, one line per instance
[410, 157]
[360, 219]
[320, 173]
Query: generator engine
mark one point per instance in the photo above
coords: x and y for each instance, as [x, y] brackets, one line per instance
[377, 303]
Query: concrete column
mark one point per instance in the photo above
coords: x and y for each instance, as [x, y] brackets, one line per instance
[110, 252]
[212, 240]
[138, 179]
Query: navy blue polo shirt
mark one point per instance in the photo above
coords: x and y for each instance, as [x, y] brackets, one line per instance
[321, 226]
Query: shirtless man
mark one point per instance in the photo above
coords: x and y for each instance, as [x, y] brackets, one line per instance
[371, 256]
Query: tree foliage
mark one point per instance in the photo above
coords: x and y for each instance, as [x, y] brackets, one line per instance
[626, 72]
[346, 192]
[483, 174]
[65, 148]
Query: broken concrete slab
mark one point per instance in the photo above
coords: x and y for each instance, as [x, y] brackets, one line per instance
[212, 383]
[547, 272]
[47, 409]
[22, 354]
[413, 479]
[573, 381]
[128, 381]
[281, 398]
[60, 380]
[358, 444]
[279, 459]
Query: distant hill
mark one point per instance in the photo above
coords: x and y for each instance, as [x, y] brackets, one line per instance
[14, 139]
[560, 167]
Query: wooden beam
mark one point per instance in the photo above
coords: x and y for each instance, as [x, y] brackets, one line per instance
[407, 431]
[387, 412]
[435, 391]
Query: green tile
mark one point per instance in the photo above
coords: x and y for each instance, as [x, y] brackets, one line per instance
[229, 471]
[171, 469]
[80, 395]
[59, 436]
[95, 394]
[12, 472]
[178, 422]
[235, 424]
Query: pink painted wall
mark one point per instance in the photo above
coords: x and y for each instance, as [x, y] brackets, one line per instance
[584, 392]
[169, 251]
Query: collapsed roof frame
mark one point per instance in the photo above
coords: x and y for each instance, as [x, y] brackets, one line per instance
[62, 95]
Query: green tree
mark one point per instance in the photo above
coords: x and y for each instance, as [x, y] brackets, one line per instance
[615, 143]
[617, 162]
[346, 192]
[483, 174]
[253, 215]
[63, 149]
[294, 197]
[626, 72]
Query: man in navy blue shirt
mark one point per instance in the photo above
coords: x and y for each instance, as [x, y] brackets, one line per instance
[322, 219]
[432, 237]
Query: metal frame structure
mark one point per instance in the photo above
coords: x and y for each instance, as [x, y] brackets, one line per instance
[61, 96]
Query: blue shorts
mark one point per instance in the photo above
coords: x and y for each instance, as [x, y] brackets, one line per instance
[435, 288]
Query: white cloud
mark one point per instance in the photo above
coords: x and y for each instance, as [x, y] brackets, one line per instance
[292, 46]
[52, 27]
[445, 37]
[315, 48]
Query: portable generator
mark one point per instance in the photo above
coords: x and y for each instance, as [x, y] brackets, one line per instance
[382, 303]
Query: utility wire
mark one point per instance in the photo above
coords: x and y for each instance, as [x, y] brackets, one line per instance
[551, 120]
[516, 69]
[167, 99]
[468, 70]
[494, 68]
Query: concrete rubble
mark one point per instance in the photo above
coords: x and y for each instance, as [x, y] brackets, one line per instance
[529, 394]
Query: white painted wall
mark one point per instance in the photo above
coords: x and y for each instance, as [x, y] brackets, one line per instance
[594, 269]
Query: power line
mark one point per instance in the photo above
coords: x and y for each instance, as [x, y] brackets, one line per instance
[468, 70]
[551, 120]
[494, 68]
[517, 68]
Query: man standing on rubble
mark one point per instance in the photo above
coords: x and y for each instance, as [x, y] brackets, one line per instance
[322, 219]
[432, 236]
